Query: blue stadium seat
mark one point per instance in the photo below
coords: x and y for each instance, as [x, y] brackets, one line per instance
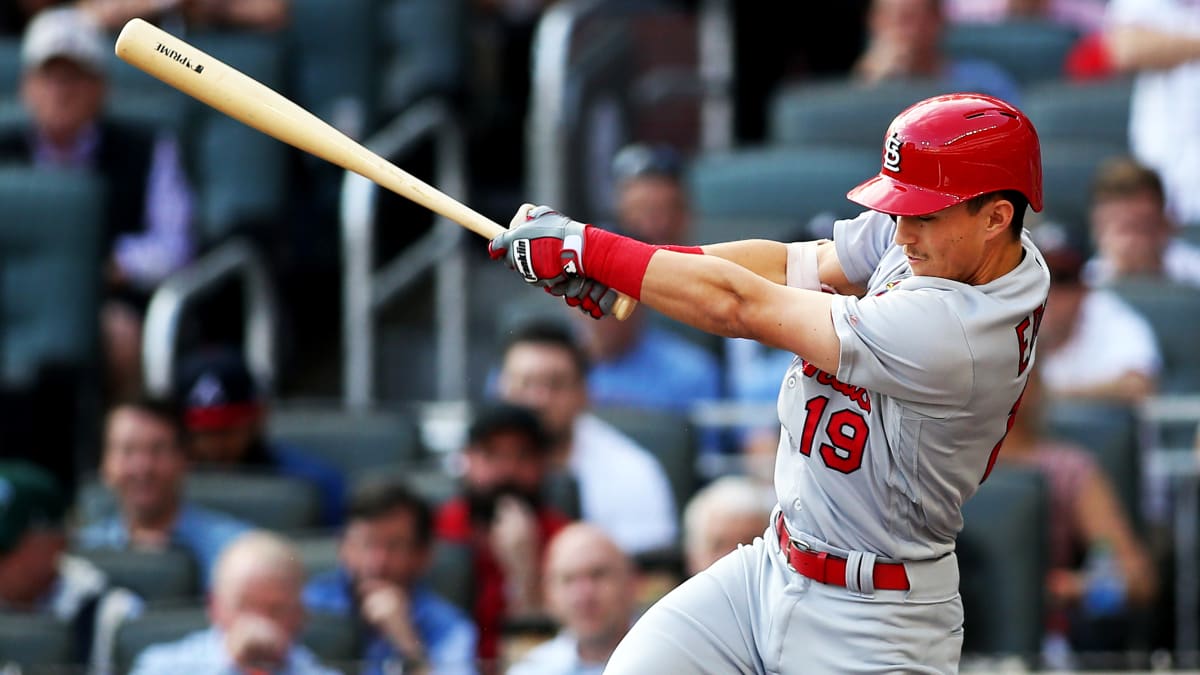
[425, 46]
[357, 443]
[1030, 50]
[154, 575]
[1173, 310]
[1068, 168]
[1003, 558]
[668, 436]
[10, 66]
[842, 112]
[1109, 431]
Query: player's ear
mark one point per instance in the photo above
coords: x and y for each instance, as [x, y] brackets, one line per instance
[999, 213]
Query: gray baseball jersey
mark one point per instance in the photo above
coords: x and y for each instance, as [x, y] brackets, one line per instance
[880, 456]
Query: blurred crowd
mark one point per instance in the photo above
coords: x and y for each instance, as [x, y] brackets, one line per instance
[182, 532]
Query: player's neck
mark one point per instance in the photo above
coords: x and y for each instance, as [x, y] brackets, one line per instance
[998, 260]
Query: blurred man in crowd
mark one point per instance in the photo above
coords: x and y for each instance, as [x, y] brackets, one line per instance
[622, 487]
[384, 553]
[36, 578]
[1134, 235]
[651, 200]
[264, 15]
[148, 205]
[143, 463]
[590, 590]
[502, 516]
[731, 511]
[226, 417]
[904, 41]
[256, 617]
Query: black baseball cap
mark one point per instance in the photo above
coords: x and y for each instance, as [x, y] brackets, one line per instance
[215, 390]
[497, 417]
[30, 497]
[641, 159]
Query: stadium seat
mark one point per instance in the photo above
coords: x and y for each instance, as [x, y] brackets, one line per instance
[669, 437]
[239, 173]
[357, 443]
[153, 575]
[155, 626]
[425, 46]
[1109, 432]
[40, 645]
[10, 66]
[333, 60]
[1173, 310]
[452, 574]
[775, 192]
[49, 269]
[842, 112]
[1030, 50]
[319, 553]
[275, 502]
[1070, 111]
[1003, 559]
[1068, 168]
[332, 638]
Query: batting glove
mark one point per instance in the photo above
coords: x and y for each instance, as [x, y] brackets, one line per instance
[546, 249]
[588, 295]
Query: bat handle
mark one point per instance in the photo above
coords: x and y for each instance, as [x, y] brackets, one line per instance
[624, 306]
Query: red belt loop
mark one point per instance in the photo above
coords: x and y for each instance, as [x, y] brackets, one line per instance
[827, 569]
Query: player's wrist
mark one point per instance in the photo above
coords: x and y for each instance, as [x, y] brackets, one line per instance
[620, 262]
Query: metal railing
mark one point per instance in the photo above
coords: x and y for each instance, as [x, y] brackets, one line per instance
[556, 95]
[235, 259]
[366, 291]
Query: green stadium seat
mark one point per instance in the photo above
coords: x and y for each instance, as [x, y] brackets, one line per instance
[239, 173]
[357, 443]
[775, 192]
[669, 437]
[1003, 559]
[40, 645]
[1030, 50]
[1109, 431]
[842, 112]
[452, 574]
[153, 575]
[49, 269]
[1074, 111]
[1068, 168]
[1173, 310]
[274, 502]
[319, 553]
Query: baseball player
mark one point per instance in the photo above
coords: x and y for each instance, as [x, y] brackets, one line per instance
[907, 377]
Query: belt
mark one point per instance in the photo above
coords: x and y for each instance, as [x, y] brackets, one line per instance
[831, 569]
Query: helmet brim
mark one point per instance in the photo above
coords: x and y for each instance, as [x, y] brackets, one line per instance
[895, 198]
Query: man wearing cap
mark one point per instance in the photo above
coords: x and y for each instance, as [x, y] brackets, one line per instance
[37, 578]
[148, 205]
[501, 515]
[226, 415]
[143, 463]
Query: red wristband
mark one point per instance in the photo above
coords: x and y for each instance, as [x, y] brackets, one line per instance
[620, 262]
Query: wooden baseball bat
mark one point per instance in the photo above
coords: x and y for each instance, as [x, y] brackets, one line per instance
[251, 102]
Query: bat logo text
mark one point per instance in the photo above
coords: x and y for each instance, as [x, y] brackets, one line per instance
[177, 57]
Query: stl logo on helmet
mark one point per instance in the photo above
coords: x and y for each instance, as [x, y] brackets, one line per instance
[891, 152]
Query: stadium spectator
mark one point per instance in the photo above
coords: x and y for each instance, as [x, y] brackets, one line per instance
[1159, 41]
[255, 613]
[904, 40]
[144, 465]
[1134, 235]
[501, 515]
[37, 578]
[148, 207]
[729, 512]
[622, 488]
[263, 15]
[226, 416]
[1091, 343]
[385, 550]
[1089, 520]
[651, 199]
[590, 591]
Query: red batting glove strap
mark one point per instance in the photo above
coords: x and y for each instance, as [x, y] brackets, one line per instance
[620, 262]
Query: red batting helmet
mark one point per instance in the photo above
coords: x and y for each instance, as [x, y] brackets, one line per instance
[947, 149]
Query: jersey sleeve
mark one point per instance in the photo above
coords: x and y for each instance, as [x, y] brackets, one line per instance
[861, 241]
[906, 344]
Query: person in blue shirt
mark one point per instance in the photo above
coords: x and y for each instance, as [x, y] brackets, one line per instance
[384, 553]
[143, 464]
[256, 617]
[226, 415]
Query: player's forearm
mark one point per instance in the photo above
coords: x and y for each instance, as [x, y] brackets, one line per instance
[767, 259]
[718, 297]
[1136, 47]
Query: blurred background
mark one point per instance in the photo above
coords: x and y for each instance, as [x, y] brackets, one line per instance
[203, 331]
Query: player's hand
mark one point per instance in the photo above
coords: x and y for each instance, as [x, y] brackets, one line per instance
[588, 295]
[543, 246]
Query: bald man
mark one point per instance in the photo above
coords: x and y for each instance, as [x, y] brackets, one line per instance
[590, 592]
[729, 512]
[256, 617]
